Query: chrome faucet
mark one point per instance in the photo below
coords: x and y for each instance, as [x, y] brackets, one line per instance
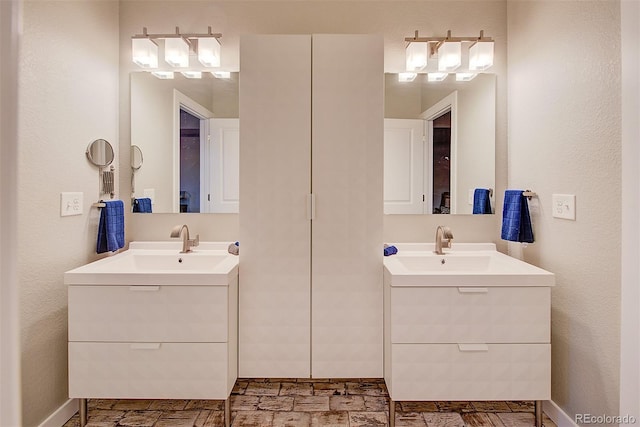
[444, 236]
[187, 243]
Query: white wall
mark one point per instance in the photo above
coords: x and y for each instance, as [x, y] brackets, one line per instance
[630, 239]
[476, 153]
[10, 408]
[565, 137]
[394, 19]
[68, 96]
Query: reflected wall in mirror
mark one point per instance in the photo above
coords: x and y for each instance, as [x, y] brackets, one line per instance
[439, 143]
[188, 130]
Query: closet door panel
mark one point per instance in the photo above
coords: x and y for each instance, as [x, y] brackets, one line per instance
[347, 165]
[275, 153]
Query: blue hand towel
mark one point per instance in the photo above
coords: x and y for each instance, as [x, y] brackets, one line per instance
[111, 227]
[142, 205]
[481, 201]
[516, 223]
[390, 250]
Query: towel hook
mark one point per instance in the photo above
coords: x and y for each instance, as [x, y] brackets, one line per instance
[529, 194]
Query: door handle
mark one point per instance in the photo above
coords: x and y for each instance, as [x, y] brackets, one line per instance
[311, 206]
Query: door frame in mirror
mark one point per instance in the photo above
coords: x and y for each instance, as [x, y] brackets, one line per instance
[447, 104]
[181, 101]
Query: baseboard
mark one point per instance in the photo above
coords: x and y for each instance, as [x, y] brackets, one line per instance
[557, 415]
[62, 414]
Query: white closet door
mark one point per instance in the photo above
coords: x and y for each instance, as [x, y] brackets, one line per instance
[275, 156]
[347, 165]
[224, 164]
[403, 166]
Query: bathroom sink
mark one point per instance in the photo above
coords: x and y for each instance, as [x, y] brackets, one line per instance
[159, 263]
[417, 264]
[450, 262]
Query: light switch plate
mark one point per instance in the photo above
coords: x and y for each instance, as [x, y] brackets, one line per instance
[70, 204]
[564, 206]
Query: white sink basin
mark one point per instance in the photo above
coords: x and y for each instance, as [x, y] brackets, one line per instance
[451, 262]
[159, 263]
[417, 264]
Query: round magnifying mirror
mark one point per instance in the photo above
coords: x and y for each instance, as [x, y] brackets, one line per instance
[136, 157]
[100, 153]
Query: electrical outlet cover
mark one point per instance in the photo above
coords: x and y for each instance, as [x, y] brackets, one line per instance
[70, 203]
[564, 206]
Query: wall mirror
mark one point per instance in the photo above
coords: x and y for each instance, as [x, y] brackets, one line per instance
[439, 143]
[100, 153]
[188, 130]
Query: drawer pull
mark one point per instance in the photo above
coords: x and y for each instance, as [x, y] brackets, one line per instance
[145, 346]
[144, 288]
[473, 290]
[473, 347]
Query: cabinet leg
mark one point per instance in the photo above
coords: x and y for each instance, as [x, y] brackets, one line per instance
[538, 413]
[83, 412]
[227, 413]
[392, 413]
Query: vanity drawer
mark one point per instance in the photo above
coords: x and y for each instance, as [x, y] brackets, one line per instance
[471, 372]
[148, 313]
[148, 370]
[474, 314]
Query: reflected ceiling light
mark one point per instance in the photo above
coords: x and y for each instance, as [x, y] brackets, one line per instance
[449, 56]
[209, 51]
[192, 74]
[465, 77]
[480, 56]
[164, 75]
[406, 77]
[177, 48]
[436, 77]
[449, 52]
[416, 56]
[221, 74]
[144, 52]
[176, 52]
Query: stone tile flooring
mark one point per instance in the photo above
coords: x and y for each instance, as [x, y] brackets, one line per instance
[306, 403]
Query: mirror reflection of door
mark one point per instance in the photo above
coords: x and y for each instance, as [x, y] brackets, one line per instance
[190, 148]
[441, 164]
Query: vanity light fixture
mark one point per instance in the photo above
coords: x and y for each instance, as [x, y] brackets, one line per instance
[144, 52]
[465, 77]
[221, 74]
[164, 75]
[480, 55]
[449, 55]
[176, 52]
[177, 48]
[436, 77]
[406, 77]
[209, 51]
[192, 74]
[416, 56]
[448, 51]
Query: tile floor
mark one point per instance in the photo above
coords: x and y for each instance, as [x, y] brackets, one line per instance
[306, 403]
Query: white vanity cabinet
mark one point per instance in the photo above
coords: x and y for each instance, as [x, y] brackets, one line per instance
[166, 341]
[152, 342]
[470, 342]
[311, 146]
